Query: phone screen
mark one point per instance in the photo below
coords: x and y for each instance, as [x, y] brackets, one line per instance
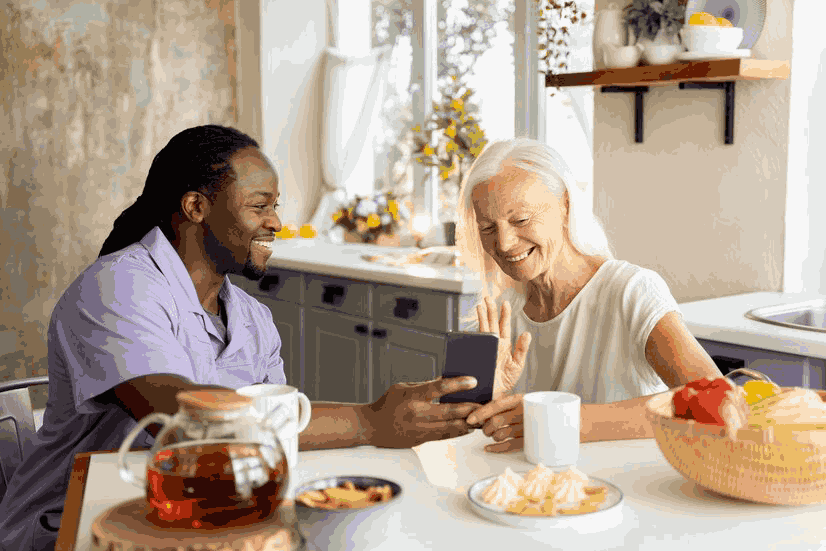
[471, 354]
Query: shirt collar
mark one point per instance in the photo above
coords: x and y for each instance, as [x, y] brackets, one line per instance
[183, 289]
[173, 269]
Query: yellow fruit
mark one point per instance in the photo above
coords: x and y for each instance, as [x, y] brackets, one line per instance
[702, 18]
[723, 22]
[759, 390]
[373, 221]
[308, 231]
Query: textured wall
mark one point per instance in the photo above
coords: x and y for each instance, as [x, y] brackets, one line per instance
[708, 217]
[90, 91]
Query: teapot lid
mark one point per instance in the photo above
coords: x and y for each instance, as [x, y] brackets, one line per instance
[212, 400]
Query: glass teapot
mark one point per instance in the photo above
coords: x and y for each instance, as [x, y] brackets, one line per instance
[211, 465]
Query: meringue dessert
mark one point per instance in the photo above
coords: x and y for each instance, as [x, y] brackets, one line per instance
[543, 492]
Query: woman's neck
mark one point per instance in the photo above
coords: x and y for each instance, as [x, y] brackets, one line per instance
[552, 292]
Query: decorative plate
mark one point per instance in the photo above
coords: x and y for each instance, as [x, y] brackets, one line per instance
[750, 15]
[608, 514]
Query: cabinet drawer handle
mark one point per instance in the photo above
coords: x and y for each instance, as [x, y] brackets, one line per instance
[379, 333]
[361, 329]
[269, 282]
[406, 308]
[333, 294]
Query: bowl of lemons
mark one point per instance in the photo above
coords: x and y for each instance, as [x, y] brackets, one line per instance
[707, 34]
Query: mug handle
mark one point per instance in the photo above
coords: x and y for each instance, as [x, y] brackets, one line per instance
[127, 474]
[305, 410]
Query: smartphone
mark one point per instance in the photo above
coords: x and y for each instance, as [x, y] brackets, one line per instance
[471, 354]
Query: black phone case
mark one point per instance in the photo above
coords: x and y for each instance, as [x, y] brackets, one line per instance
[471, 354]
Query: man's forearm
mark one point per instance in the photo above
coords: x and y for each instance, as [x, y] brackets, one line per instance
[334, 425]
[615, 421]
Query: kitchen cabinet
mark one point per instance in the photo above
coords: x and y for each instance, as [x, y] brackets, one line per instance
[782, 368]
[336, 357]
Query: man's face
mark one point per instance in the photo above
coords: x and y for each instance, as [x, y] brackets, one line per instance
[242, 221]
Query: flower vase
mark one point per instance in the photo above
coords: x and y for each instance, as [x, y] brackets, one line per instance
[662, 50]
[609, 31]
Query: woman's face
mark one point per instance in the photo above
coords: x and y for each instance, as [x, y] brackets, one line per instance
[520, 222]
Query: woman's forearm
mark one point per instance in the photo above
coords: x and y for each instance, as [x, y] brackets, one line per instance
[615, 421]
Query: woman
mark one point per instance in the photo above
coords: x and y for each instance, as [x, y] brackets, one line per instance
[601, 328]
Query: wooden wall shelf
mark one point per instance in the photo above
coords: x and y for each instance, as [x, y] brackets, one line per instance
[716, 74]
[719, 70]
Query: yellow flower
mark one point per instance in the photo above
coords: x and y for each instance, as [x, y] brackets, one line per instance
[458, 105]
[417, 128]
[445, 172]
[428, 150]
[337, 215]
[350, 212]
[451, 147]
[450, 131]
[393, 206]
[373, 221]
[477, 149]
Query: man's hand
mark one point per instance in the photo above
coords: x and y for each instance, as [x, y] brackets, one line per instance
[406, 414]
[503, 418]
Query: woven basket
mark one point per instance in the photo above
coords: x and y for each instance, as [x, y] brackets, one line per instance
[768, 466]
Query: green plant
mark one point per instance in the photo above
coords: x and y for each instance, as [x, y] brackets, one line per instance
[647, 17]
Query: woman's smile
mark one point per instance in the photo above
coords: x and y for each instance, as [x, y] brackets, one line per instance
[519, 257]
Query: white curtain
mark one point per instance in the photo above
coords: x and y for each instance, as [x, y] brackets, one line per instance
[353, 92]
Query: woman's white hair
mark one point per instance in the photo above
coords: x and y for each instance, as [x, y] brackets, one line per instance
[583, 228]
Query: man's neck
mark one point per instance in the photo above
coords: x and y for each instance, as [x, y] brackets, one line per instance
[206, 279]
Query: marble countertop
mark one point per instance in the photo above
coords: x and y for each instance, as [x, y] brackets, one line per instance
[723, 320]
[345, 260]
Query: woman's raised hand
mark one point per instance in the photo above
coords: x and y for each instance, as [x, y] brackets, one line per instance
[503, 417]
[509, 363]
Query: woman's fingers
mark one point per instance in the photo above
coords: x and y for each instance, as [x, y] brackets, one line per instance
[512, 431]
[505, 323]
[485, 412]
[510, 418]
[481, 313]
[521, 350]
[493, 324]
[506, 446]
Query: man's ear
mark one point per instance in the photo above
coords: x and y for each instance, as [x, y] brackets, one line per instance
[194, 206]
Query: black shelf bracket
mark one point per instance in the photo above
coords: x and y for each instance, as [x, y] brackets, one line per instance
[728, 86]
[638, 92]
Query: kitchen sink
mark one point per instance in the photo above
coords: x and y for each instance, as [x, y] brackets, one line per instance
[809, 315]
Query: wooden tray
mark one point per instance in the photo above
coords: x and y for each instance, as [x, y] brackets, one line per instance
[126, 528]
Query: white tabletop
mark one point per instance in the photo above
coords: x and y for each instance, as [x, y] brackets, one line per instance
[662, 510]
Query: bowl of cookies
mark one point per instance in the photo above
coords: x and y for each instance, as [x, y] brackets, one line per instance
[759, 441]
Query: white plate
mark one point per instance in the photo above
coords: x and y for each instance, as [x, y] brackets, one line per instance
[698, 56]
[750, 15]
[609, 514]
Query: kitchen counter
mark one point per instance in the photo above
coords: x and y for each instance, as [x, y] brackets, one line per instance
[345, 261]
[723, 320]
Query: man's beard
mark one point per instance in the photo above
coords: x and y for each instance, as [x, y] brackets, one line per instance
[225, 263]
[251, 271]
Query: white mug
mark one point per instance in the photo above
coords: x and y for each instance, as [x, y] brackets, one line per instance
[291, 410]
[552, 421]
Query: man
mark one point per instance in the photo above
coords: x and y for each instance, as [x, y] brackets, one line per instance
[156, 314]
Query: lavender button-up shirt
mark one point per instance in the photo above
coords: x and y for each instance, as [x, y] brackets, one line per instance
[132, 313]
